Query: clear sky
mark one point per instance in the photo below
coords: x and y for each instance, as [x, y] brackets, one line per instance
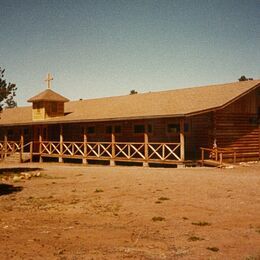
[102, 48]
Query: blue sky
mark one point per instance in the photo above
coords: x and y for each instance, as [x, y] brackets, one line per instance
[102, 48]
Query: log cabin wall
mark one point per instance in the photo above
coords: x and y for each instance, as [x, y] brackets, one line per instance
[125, 131]
[158, 131]
[14, 133]
[237, 126]
[201, 135]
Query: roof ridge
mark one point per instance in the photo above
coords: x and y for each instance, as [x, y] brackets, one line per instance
[48, 95]
[164, 91]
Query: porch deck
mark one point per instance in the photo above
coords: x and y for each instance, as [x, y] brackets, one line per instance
[161, 153]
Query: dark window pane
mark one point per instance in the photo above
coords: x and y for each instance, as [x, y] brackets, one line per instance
[109, 129]
[91, 130]
[117, 129]
[173, 128]
[150, 128]
[139, 129]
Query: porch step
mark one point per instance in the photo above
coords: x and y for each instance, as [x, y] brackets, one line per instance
[12, 158]
[15, 157]
[214, 163]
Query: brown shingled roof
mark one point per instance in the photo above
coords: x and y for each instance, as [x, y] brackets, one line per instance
[171, 103]
[48, 95]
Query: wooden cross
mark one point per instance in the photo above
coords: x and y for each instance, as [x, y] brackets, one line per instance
[48, 80]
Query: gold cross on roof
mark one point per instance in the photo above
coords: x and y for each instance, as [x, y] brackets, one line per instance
[48, 79]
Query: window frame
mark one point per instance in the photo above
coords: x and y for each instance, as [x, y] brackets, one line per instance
[149, 126]
[187, 127]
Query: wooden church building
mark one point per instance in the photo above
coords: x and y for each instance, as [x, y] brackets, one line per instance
[217, 122]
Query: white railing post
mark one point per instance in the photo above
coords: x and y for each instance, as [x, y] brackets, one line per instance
[31, 151]
[5, 145]
[146, 155]
[84, 160]
[40, 145]
[61, 145]
[22, 144]
[113, 140]
[182, 140]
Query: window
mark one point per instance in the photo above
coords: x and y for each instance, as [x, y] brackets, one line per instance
[26, 132]
[91, 130]
[117, 129]
[10, 133]
[149, 128]
[109, 129]
[139, 129]
[175, 128]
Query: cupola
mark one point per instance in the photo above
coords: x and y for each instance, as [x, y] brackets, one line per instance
[47, 104]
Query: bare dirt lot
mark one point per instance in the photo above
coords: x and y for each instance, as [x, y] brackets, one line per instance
[76, 212]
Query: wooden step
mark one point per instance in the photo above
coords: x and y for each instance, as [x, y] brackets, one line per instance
[12, 158]
[214, 163]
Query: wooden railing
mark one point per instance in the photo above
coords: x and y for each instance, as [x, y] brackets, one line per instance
[217, 155]
[116, 151]
[10, 147]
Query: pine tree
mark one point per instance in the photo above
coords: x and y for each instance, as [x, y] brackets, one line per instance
[7, 92]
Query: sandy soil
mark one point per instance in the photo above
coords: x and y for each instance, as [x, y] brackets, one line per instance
[76, 212]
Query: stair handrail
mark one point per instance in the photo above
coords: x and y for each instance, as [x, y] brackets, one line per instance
[217, 154]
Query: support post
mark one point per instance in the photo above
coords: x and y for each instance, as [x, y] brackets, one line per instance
[31, 151]
[221, 158]
[202, 156]
[5, 144]
[235, 157]
[40, 145]
[182, 140]
[146, 140]
[61, 145]
[22, 144]
[85, 139]
[113, 148]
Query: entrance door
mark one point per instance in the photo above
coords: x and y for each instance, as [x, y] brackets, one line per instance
[39, 131]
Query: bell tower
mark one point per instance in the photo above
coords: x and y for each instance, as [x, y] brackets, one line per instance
[47, 104]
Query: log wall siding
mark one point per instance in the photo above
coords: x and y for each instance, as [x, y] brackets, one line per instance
[74, 132]
[240, 132]
[245, 105]
[201, 135]
[237, 126]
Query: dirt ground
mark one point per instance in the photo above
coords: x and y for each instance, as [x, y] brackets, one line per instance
[102, 212]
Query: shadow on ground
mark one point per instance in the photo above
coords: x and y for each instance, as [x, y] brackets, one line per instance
[6, 189]
[18, 169]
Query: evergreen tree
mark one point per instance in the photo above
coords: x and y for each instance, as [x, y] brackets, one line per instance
[7, 92]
